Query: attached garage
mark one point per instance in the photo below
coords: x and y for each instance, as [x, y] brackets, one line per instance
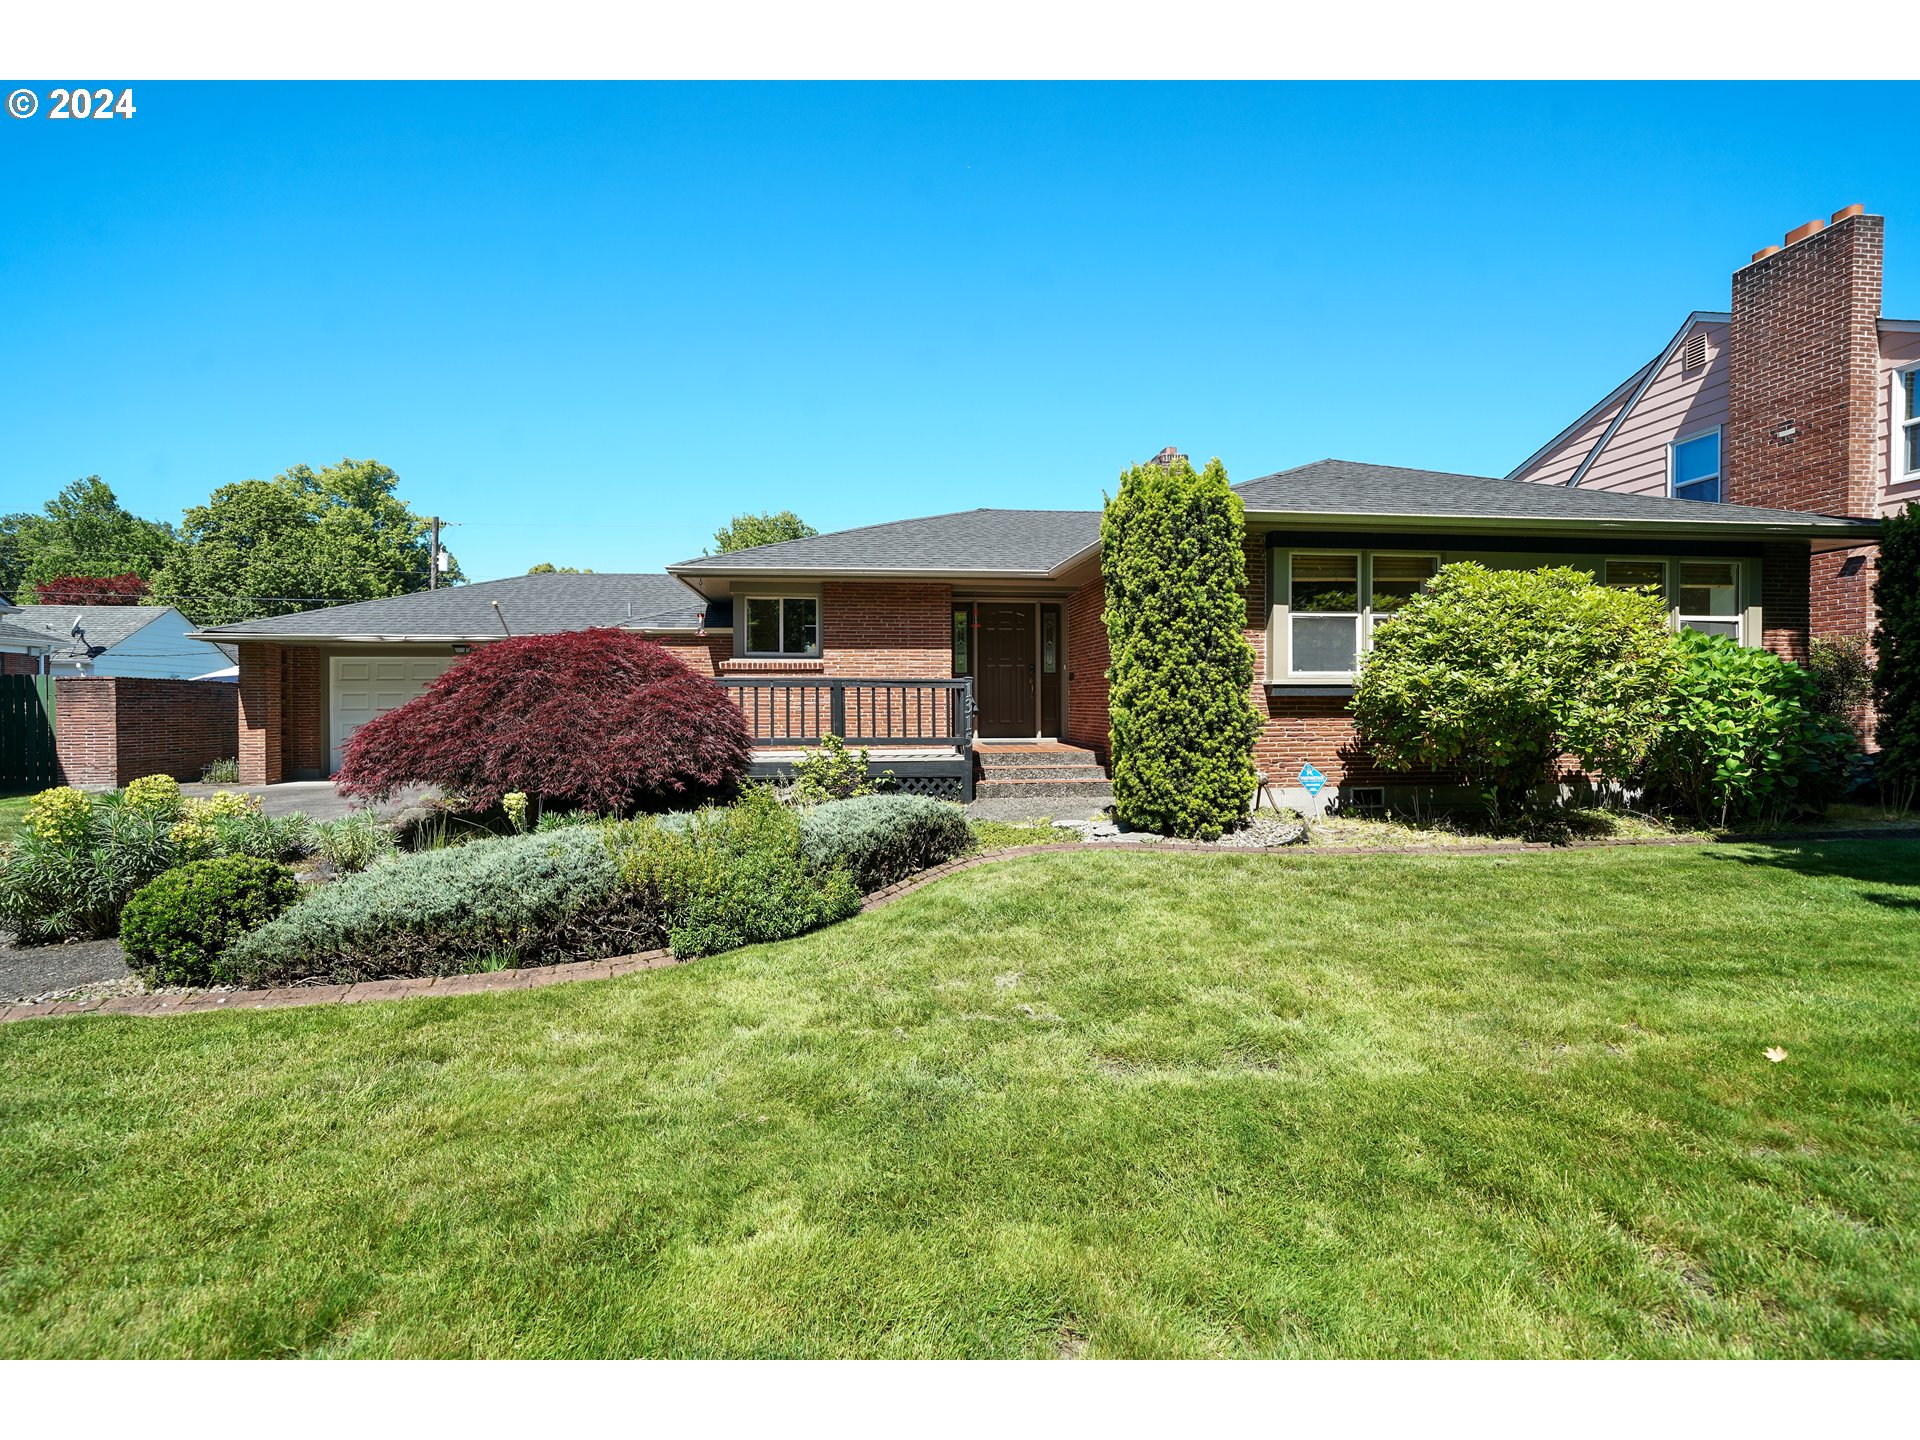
[363, 686]
[310, 680]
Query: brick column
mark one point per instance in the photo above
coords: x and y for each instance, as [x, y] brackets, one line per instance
[262, 721]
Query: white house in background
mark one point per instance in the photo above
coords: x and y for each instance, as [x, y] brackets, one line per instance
[122, 642]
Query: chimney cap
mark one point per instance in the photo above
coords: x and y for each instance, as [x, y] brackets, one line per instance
[1769, 250]
[1801, 232]
[1847, 213]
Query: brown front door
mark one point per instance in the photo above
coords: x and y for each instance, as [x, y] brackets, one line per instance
[1004, 671]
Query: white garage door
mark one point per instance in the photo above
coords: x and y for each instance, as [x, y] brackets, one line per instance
[368, 685]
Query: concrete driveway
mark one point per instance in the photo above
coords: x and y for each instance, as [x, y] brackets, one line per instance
[316, 799]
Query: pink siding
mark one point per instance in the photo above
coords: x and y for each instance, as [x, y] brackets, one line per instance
[1679, 402]
[1557, 465]
[1898, 349]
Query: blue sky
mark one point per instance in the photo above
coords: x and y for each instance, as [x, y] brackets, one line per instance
[589, 322]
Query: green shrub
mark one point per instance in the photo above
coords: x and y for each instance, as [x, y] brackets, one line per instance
[265, 837]
[157, 795]
[551, 820]
[883, 838]
[69, 874]
[1182, 724]
[61, 816]
[220, 772]
[1744, 738]
[1492, 674]
[1896, 640]
[353, 842]
[724, 877]
[1842, 672]
[833, 772]
[176, 926]
[538, 898]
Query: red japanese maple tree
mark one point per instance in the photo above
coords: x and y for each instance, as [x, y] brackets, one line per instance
[127, 589]
[600, 719]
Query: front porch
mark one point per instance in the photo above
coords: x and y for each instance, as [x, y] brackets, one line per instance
[920, 731]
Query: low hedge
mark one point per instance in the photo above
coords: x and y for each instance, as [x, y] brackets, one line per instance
[533, 899]
[177, 925]
[721, 878]
[884, 838]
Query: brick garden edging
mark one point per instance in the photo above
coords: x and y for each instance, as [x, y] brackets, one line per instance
[534, 977]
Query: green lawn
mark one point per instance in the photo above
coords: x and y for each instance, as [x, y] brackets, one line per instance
[13, 815]
[1099, 1103]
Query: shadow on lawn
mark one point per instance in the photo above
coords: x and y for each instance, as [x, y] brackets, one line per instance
[1886, 862]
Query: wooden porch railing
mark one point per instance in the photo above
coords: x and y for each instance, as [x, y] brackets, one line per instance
[802, 710]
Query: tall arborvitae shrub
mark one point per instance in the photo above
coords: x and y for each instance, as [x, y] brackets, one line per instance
[1896, 683]
[1182, 721]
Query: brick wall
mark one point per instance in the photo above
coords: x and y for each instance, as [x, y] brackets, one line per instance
[1087, 661]
[702, 654]
[12, 663]
[110, 731]
[262, 689]
[1804, 349]
[1784, 599]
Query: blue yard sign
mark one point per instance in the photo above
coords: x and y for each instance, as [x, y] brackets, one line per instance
[1312, 781]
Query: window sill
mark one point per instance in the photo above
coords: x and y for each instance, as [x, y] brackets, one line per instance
[1310, 687]
[774, 665]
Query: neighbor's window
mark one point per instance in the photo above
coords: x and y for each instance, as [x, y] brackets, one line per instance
[1709, 597]
[1638, 575]
[1910, 419]
[1331, 617]
[783, 625]
[1696, 467]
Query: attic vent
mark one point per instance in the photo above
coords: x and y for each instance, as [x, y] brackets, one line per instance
[1694, 353]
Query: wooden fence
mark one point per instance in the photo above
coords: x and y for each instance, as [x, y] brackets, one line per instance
[29, 759]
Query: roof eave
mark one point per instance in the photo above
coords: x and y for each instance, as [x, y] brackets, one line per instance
[1842, 534]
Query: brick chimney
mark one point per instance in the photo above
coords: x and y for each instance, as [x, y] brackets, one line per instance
[1168, 458]
[1804, 346]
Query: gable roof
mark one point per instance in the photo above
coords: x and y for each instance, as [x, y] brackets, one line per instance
[528, 605]
[106, 625]
[1635, 385]
[1029, 544]
[1336, 490]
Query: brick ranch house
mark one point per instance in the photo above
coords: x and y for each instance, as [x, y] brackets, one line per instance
[948, 635]
[1802, 396]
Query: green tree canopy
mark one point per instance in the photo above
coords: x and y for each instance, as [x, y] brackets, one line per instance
[299, 541]
[1182, 718]
[544, 568]
[743, 532]
[82, 531]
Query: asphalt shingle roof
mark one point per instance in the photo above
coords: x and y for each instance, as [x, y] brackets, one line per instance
[106, 625]
[1022, 542]
[11, 634]
[529, 604]
[1346, 487]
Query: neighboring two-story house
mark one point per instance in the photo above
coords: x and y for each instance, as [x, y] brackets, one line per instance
[1801, 396]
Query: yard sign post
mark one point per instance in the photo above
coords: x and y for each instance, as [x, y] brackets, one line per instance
[1313, 782]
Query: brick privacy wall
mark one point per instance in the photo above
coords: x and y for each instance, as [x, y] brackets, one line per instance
[1088, 657]
[261, 747]
[1805, 348]
[111, 731]
[16, 664]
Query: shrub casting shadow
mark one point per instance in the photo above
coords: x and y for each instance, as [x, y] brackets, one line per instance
[1873, 861]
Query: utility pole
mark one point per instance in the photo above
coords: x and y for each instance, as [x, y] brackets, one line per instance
[433, 560]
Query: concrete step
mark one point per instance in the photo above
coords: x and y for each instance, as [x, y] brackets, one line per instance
[994, 758]
[1002, 770]
[995, 789]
